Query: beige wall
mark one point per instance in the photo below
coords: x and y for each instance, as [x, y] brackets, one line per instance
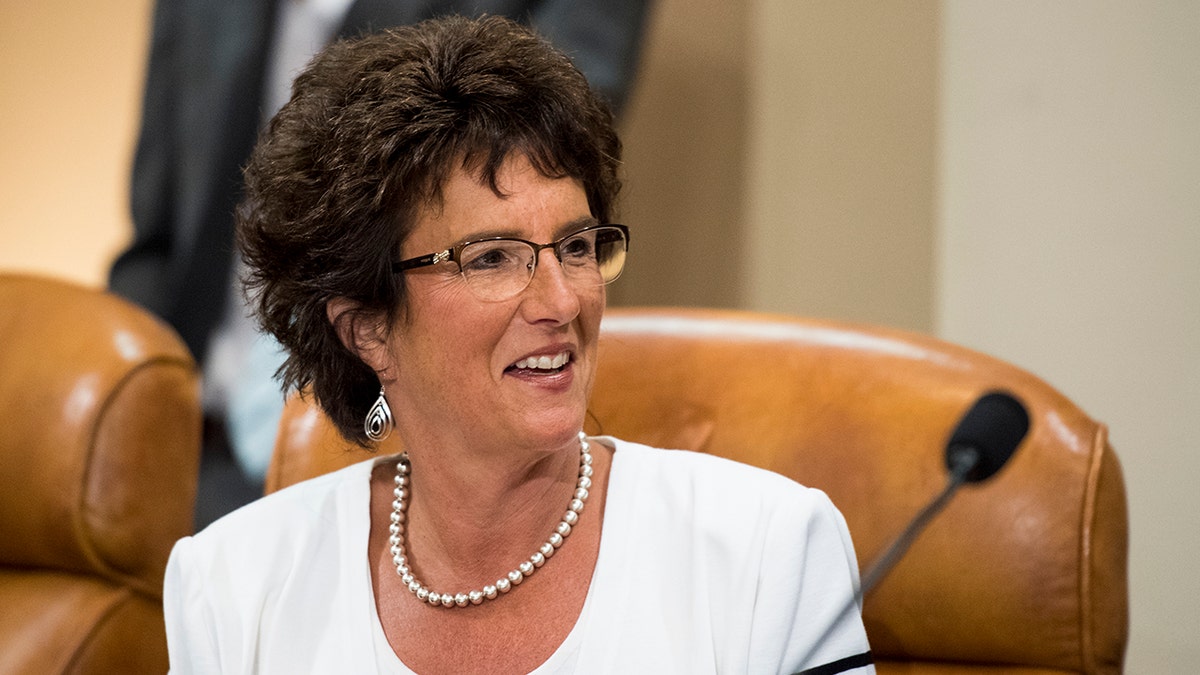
[780, 156]
[840, 191]
[1070, 244]
[70, 84]
[684, 181]
[1020, 177]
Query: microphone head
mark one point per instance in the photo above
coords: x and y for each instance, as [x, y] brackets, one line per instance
[992, 429]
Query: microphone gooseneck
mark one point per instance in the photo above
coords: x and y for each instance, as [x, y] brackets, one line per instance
[980, 445]
[985, 438]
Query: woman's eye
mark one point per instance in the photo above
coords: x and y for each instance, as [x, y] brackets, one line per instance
[490, 260]
[578, 247]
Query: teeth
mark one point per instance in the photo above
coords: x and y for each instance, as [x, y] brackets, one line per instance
[543, 362]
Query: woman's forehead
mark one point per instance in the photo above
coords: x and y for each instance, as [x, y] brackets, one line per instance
[526, 201]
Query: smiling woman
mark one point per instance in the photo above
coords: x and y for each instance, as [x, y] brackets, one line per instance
[428, 233]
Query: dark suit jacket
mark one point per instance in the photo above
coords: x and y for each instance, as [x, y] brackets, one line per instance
[201, 114]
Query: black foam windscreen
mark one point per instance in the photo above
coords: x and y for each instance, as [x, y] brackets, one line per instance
[992, 429]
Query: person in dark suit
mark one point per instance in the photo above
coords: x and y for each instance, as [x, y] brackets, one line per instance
[206, 99]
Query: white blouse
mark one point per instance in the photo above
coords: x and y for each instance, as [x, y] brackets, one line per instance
[705, 566]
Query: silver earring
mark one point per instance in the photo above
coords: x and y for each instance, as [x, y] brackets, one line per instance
[379, 423]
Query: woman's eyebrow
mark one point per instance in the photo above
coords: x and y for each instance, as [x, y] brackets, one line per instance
[514, 233]
[575, 225]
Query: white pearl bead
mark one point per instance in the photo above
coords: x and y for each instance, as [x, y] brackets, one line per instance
[581, 494]
[586, 458]
[459, 599]
[526, 568]
[475, 597]
[515, 577]
[489, 592]
[407, 579]
[563, 529]
[585, 471]
[503, 585]
[547, 549]
[422, 593]
[570, 517]
[556, 540]
[395, 516]
[415, 587]
[585, 482]
[434, 598]
[538, 559]
[394, 529]
[576, 505]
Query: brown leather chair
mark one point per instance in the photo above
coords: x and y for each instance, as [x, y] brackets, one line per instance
[1023, 574]
[99, 453]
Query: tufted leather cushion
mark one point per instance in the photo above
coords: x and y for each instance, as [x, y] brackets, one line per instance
[1023, 574]
[99, 455]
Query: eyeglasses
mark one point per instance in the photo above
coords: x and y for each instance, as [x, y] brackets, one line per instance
[500, 268]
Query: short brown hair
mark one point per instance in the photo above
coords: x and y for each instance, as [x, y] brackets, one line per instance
[374, 127]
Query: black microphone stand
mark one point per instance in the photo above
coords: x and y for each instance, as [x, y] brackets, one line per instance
[962, 460]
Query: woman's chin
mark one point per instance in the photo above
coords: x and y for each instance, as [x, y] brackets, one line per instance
[555, 429]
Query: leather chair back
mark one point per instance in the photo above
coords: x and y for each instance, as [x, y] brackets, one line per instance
[1025, 573]
[99, 455]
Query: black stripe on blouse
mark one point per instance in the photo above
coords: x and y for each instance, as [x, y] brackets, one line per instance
[841, 665]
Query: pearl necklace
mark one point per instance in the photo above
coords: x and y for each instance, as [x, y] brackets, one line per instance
[505, 583]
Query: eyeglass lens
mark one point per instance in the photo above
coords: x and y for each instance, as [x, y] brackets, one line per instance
[500, 269]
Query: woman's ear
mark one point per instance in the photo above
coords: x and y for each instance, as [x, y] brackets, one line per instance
[363, 333]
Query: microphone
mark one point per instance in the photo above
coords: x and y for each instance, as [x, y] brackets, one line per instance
[984, 440]
[986, 437]
[980, 445]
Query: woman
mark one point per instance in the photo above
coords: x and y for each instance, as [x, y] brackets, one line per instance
[427, 225]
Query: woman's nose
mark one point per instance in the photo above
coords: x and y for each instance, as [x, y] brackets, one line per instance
[550, 292]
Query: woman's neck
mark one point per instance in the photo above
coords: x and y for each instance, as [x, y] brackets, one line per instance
[471, 512]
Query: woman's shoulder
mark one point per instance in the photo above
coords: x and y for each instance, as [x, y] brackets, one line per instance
[291, 518]
[694, 484]
[677, 467]
[252, 580]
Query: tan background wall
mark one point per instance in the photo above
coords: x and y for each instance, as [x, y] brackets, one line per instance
[1070, 244]
[840, 194]
[1019, 177]
[70, 86]
[684, 181]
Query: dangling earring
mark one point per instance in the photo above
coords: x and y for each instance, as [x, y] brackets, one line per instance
[379, 423]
